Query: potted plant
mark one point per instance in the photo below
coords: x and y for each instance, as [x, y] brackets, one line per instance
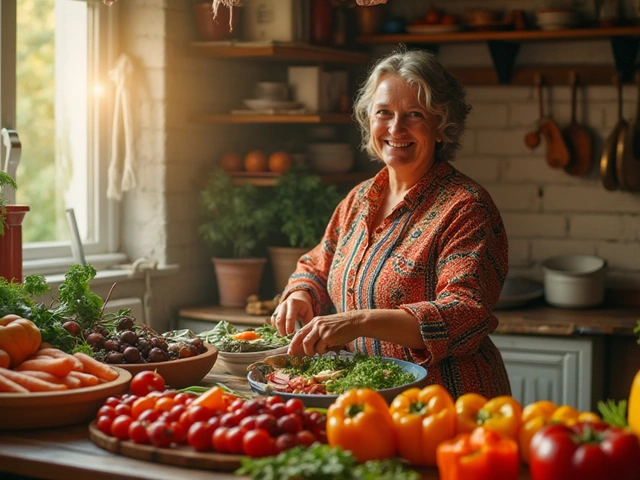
[11, 217]
[237, 221]
[302, 206]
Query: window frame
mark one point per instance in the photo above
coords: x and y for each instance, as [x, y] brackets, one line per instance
[103, 228]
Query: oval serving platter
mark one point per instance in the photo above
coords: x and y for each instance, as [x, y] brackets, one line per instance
[323, 401]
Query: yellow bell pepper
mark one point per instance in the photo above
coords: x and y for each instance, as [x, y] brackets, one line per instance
[633, 416]
[423, 419]
[567, 415]
[501, 414]
[534, 416]
[359, 421]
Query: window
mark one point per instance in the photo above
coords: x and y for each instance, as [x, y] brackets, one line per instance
[55, 93]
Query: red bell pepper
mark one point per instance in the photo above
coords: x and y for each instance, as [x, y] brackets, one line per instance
[483, 454]
[584, 451]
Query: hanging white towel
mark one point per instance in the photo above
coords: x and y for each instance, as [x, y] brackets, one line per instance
[119, 75]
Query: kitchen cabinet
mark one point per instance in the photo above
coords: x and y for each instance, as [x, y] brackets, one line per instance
[567, 370]
[281, 54]
[504, 47]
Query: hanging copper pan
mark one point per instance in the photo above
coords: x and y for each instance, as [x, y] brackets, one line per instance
[609, 151]
[628, 153]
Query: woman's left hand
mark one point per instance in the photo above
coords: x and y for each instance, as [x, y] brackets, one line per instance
[324, 333]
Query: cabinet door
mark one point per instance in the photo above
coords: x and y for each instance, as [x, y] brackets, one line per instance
[556, 369]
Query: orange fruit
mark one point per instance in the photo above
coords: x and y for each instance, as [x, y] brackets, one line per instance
[231, 162]
[280, 162]
[255, 161]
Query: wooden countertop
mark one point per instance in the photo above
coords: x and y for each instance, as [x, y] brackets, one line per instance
[536, 319]
[67, 453]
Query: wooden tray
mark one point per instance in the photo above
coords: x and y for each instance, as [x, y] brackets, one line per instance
[182, 456]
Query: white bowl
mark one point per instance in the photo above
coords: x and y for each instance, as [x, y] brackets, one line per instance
[574, 281]
[237, 363]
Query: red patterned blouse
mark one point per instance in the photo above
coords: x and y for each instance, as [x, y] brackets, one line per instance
[441, 255]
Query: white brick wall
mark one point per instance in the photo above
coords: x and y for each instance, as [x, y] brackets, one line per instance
[546, 211]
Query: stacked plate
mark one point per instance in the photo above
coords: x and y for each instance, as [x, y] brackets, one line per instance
[331, 157]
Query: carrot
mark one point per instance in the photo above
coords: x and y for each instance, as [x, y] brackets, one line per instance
[10, 386]
[94, 367]
[31, 383]
[56, 353]
[69, 381]
[60, 367]
[86, 379]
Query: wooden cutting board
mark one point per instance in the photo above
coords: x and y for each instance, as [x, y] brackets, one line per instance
[181, 456]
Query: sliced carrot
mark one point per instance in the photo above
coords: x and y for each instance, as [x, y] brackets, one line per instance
[94, 367]
[86, 379]
[57, 353]
[31, 383]
[60, 367]
[10, 386]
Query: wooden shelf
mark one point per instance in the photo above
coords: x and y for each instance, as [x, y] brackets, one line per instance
[215, 118]
[278, 51]
[504, 47]
[268, 179]
[215, 313]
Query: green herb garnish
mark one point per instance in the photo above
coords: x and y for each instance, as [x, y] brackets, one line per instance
[221, 336]
[320, 462]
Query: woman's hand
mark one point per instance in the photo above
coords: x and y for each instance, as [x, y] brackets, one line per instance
[324, 333]
[297, 306]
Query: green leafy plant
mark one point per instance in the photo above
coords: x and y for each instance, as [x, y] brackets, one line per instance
[302, 205]
[5, 181]
[237, 217]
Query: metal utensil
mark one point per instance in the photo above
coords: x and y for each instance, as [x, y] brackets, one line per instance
[13, 148]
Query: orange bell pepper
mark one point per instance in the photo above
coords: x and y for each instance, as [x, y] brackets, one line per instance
[213, 399]
[633, 416]
[423, 419]
[483, 454]
[502, 414]
[359, 421]
[567, 415]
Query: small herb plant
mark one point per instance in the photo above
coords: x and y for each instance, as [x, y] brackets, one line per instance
[237, 218]
[302, 205]
[5, 181]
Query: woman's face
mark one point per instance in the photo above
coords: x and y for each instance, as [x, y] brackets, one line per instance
[402, 131]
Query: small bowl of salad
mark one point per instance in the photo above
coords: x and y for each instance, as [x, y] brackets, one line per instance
[237, 349]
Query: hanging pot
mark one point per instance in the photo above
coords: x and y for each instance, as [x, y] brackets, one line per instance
[11, 243]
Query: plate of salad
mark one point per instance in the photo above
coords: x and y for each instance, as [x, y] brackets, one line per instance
[237, 349]
[318, 380]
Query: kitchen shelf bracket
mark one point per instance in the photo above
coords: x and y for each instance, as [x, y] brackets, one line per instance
[625, 50]
[504, 56]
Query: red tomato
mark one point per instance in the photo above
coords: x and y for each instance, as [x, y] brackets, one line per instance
[584, 451]
[123, 409]
[176, 412]
[145, 382]
[268, 423]
[234, 438]
[278, 410]
[294, 405]
[112, 401]
[120, 427]
[138, 432]
[149, 416]
[285, 442]
[272, 400]
[253, 407]
[248, 422]
[104, 424]
[219, 439]
[290, 423]
[306, 438]
[199, 436]
[107, 410]
[160, 434]
[196, 413]
[258, 443]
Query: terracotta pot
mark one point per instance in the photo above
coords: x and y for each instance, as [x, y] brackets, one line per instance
[237, 279]
[210, 30]
[369, 19]
[11, 243]
[284, 261]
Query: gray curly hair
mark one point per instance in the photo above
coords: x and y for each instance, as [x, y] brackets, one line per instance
[439, 92]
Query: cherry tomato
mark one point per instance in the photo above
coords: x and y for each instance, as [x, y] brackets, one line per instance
[306, 438]
[199, 436]
[104, 424]
[178, 432]
[237, 404]
[112, 401]
[138, 432]
[234, 438]
[120, 427]
[229, 420]
[273, 400]
[219, 439]
[258, 443]
[165, 404]
[142, 404]
[290, 423]
[176, 412]
[248, 422]
[268, 423]
[182, 397]
[160, 434]
[149, 416]
[123, 409]
[196, 413]
[145, 382]
[285, 442]
[107, 410]
[278, 410]
[214, 421]
[253, 407]
[294, 405]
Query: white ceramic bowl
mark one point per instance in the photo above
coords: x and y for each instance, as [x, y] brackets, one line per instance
[574, 281]
[237, 363]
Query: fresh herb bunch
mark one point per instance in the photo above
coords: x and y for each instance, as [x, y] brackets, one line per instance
[322, 462]
[614, 413]
[5, 181]
[237, 218]
[358, 371]
[76, 300]
[302, 205]
[221, 336]
[17, 298]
